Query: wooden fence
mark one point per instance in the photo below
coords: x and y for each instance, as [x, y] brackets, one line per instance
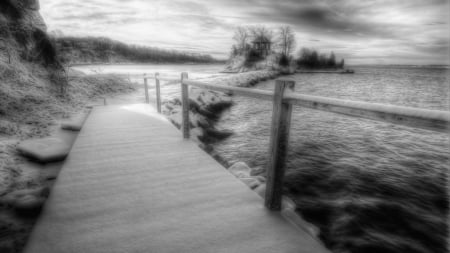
[283, 98]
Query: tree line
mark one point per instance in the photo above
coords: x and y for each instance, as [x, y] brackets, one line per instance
[283, 43]
[312, 59]
[99, 49]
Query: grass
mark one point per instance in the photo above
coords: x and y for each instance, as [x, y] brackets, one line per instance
[31, 103]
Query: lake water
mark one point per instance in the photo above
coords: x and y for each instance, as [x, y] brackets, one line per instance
[335, 137]
[172, 71]
[369, 186]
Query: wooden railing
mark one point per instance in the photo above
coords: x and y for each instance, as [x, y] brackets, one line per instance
[157, 78]
[284, 98]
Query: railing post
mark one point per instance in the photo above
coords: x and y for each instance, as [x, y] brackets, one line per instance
[279, 138]
[158, 93]
[185, 104]
[147, 100]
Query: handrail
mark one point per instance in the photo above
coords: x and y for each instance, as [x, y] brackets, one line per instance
[255, 93]
[283, 99]
[434, 120]
[157, 90]
[147, 76]
[414, 117]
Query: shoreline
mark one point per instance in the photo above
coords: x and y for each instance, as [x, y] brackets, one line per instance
[141, 63]
[206, 105]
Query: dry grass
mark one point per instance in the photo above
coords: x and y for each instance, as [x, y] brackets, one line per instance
[31, 103]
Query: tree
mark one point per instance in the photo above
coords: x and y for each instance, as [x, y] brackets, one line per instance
[331, 63]
[261, 32]
[286, 40]
[241, 36]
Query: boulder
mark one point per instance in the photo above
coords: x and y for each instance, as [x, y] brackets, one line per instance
[258, 171]
[261, 190]
[260, 178]
[26, 4]
[251, 182]
[240, 170]
[75, 123]
[12, 197]
[32, 4]
[29, 205]
[44, 150]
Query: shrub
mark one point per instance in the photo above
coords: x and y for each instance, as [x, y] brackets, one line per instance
[283, 60]
[252, 57]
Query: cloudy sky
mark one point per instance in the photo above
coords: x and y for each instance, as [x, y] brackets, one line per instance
[362, 32]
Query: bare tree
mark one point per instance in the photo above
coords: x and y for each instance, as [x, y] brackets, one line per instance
[286, 40]
[241, 36]
[261, 32]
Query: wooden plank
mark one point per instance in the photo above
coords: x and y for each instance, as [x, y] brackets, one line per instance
[132, 184]
[158, 93]
[414, 117]
[278, 147]
[254, 93]
[185, 125]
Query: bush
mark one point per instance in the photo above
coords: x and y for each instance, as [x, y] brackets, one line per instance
[311, 59]
[283, 61]
[44, 48]
[251, 57]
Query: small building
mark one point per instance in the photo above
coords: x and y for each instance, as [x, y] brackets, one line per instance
[262, 45]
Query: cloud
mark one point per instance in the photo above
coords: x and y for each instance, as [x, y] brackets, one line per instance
[412, 31]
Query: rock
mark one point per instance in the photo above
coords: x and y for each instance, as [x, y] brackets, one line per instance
[7, 246]
[196, 133]
[12, 197]
[44, 150]
[240, 170]
[261, 190]
[32, 4]
[260, 178]
[251, 182]
[75, 123]
[220, 159]
[45, 192]
[29, 205]
[258, 171]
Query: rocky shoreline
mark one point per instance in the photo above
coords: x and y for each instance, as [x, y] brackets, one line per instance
[206, 107]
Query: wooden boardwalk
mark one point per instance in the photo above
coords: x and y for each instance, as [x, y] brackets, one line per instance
[132, 184]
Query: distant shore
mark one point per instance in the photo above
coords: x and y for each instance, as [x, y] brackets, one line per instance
[141, 63]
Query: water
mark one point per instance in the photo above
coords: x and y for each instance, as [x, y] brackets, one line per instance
[369, 186]
[196, 71]
[335, 137]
